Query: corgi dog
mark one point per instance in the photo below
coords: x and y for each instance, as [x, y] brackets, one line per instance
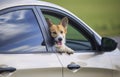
[58, 33]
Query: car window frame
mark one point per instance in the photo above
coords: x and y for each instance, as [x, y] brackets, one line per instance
[39, 21]
[89, 34]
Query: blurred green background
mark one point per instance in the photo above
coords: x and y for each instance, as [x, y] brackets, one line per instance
[102, 15]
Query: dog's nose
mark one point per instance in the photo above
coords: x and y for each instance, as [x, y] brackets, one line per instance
[60, 39]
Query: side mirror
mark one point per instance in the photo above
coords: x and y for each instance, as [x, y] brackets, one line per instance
[108, 44]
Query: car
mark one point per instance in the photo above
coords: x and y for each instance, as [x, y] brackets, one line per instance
[26, 47]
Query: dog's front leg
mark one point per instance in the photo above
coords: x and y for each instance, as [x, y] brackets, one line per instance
[64, 49]
[60, 49]
[69, 50]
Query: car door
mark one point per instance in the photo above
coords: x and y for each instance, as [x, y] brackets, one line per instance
[23, 45]
[85, 62]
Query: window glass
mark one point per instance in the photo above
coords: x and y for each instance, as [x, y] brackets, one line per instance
[19, 32]
[74, 38]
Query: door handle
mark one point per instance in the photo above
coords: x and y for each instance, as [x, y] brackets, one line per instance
[7, 69]
[73, 66]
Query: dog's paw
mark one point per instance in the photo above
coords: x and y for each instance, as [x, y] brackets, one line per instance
[70, 52]
[60, 53]
[65, 49]
[60, 50]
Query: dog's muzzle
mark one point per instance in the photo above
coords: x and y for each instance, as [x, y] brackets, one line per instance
[59, 41]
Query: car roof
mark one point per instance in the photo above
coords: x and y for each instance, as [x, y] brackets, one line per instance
[12, 3]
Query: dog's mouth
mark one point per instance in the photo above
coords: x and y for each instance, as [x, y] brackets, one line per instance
[59, 43]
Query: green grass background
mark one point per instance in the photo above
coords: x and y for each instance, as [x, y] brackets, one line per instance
[102, 15]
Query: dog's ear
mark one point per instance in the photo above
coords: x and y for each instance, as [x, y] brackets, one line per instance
[64, 22]
[49, 22]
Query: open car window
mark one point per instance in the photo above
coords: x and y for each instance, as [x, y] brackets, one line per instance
[74, 38]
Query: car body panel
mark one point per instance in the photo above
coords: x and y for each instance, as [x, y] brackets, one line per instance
[115, 57]
[87, 60]
[88, 72]
[92, 64]
[32, 65]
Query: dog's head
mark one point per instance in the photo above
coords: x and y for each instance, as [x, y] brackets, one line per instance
[59, 31]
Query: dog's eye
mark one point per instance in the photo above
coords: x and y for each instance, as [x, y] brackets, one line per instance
[54, 32]
[61, 31]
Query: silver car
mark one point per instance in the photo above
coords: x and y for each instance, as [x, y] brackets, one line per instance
[26, 47]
